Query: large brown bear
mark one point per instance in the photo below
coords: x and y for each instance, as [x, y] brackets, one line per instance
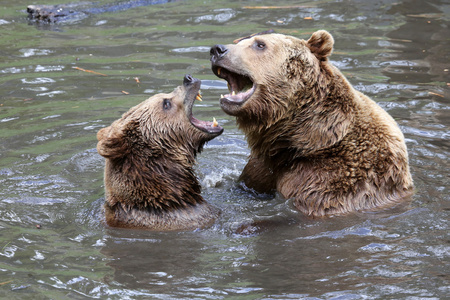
[313, 137]
[150, 153]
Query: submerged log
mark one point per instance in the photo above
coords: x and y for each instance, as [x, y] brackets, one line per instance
[79, 10]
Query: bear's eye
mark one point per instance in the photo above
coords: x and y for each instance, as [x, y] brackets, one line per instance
[260, 45]
[167, 104]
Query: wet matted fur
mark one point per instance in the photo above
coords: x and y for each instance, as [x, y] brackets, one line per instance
[150, 153]
[313, 137]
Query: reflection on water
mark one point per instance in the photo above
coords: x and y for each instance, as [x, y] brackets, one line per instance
[53, 243]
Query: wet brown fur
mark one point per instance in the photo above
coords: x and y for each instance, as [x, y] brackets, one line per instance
[149, 177]
[313, 137]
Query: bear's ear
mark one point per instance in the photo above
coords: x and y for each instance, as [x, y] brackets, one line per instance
[111, 141]
[321, 44]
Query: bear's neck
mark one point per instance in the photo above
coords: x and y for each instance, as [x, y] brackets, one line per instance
[314, 120]
[154, 184]
[187, 218]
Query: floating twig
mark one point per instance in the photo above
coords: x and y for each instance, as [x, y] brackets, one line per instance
[7, 242]
[275, 7]
[436, 94]
[89, 71]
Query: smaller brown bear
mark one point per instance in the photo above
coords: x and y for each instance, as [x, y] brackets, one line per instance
[150, 153]
[313, 137]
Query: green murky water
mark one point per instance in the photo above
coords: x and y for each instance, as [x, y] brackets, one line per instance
[397, 52]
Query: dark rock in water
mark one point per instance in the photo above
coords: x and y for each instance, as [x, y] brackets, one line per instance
[79, 10]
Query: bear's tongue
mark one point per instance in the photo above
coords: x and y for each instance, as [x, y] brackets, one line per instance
[240, 96]
[204, 124]
[240, 86]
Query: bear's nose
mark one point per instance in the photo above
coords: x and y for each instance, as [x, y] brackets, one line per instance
[217, 52]
[187, 79]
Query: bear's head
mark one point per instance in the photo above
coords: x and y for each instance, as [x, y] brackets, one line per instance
[161, 126]
[260, 70]
[284, 92]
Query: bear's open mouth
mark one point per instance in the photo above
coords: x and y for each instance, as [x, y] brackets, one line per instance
[213, 128]
[209, 127]
[241, 87]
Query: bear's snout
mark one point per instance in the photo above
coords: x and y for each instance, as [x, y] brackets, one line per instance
[188, 79]
[217, 52]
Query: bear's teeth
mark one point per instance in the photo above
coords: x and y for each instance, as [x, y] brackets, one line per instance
[218, 70]
[233, 93]
[199, 96]
[221, 96]
[215, 124]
